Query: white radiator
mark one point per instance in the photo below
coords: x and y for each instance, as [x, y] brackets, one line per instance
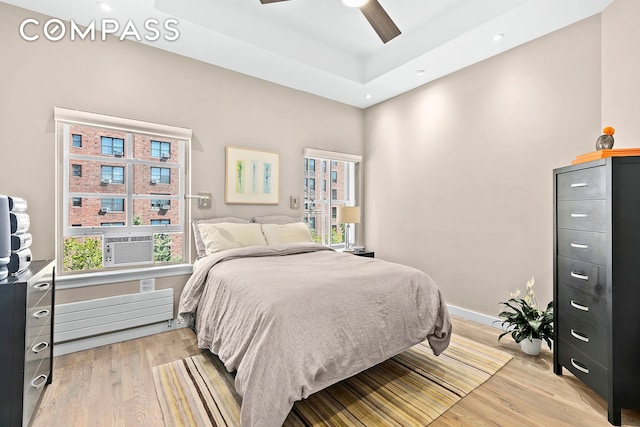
[99, 316]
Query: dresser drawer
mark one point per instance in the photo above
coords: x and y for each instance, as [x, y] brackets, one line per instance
[39, 350]
[34, 387]
[38, 316]
[583, 306]
[583, 367]
[589, 278]
[586, 215]
[40, 288]
[587, 246]
[584, 337]
[584, 184]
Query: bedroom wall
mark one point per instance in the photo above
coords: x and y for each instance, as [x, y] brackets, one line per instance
[128, 79]
[459, 171]
[621, 71]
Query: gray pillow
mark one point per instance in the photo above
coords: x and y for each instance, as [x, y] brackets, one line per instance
[201, 249]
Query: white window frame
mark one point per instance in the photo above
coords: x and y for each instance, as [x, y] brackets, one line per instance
[355, 186]
[64, 280]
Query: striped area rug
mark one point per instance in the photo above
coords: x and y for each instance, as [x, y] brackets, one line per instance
[410, 389]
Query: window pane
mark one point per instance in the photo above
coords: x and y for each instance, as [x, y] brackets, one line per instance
[114, 194]
[320, 208]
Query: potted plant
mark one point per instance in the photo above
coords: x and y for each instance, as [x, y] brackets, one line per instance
[527, 324]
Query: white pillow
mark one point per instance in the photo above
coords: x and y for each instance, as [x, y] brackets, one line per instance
[295, 232]
[197, 238]
[227, 235]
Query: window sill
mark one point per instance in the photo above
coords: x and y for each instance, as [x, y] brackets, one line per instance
[105, 277]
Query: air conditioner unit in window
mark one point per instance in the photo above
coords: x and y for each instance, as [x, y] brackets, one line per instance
[127, 250]
[105, 210]
[118, 153]
[155, 181]
[164, 156]
[105, 181]
[165, 207]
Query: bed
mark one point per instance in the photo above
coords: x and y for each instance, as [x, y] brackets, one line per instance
[294, 318]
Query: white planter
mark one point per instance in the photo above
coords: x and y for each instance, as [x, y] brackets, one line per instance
[532, 346]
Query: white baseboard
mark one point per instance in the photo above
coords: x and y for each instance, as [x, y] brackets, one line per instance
[128, 334]
[473, 315]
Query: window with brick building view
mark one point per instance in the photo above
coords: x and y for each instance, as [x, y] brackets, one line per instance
[124, 195]
[338, 180]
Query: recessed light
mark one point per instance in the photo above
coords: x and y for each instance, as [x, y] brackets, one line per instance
[368, 96]
[105, 7]
[419, 72]
[498, 37]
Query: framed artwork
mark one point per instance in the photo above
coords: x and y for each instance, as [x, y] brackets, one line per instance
[252, 176]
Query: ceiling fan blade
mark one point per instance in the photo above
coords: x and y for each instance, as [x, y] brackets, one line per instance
[380, 21]
[270, 1]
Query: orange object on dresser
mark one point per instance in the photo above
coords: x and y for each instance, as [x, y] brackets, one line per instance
[603, 154]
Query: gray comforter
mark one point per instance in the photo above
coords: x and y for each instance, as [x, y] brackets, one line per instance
[294, 319]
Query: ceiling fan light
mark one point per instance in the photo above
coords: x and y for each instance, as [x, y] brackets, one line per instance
[354, 3]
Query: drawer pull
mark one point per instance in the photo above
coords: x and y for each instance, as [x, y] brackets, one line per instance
[44, 286]
[39, 381]
[579, 336]
[41, 313]
[579, 276]
[578, 366]
[579, 245]
[579, 215]
[579, 184]
[39, 347]
[579, 306]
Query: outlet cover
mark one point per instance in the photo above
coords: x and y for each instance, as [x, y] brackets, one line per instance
[147, 285]
[294, 202]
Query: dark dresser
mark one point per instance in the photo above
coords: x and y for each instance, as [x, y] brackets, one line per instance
[597, 278]
[26, 352]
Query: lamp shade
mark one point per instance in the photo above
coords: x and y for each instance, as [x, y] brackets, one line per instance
[348, 214]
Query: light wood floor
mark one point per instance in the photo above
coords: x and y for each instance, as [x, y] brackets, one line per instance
[113, 386]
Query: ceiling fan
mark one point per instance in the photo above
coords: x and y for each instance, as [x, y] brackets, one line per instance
[375, 14]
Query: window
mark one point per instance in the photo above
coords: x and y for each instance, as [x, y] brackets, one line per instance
[112, 174]
[312, 165]
[160, 175]
[126, 218]
[158, 204]
[112, 205]
[320, 212]
[112, 146]
[160, 149]
[76, 140]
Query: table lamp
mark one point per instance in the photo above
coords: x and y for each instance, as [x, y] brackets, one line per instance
[348, 215]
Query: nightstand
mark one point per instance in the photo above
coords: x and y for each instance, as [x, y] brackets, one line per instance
[368, 254]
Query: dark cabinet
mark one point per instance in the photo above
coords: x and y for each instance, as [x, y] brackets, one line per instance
[26, 339]
[597, 278]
